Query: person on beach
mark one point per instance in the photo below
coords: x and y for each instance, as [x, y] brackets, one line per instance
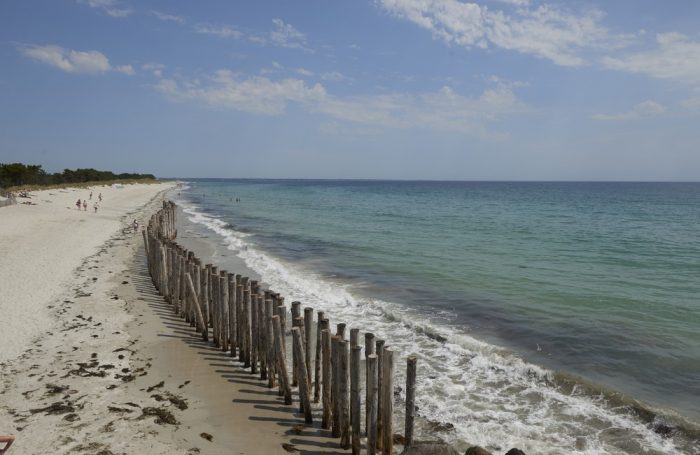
[99, 196]
[78, 204]
[95, 207]
[8, 440]
[91, 195]
[135, 225]
[84, 206]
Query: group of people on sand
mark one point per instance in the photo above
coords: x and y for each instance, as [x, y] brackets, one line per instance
[84, 203]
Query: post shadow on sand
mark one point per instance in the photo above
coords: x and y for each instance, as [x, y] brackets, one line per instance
[232, 370]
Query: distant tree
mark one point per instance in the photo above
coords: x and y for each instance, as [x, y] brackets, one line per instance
[17, 174]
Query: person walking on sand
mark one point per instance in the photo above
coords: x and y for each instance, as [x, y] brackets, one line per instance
[8, 440]
[78, 204]
[84, 205]
[99, 196]
[95, 207]
[91, 195]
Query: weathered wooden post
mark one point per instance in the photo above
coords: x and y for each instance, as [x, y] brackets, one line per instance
[335, 384]
[371, 404]
[223, 309]
[317, 363]
[296, 313]
[308, 345]
[196, 305]
[380, 392]
[369, 350]
[233, 336]
[341, 330]
[254, 333]
[388, 404]
[326, 378]
[344, 389]
[410, 399]
[270, 344]
[302, 374]
[281, 361]
[355, 405]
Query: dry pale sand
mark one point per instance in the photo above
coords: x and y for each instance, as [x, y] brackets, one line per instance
[41, 245]
[113, 371]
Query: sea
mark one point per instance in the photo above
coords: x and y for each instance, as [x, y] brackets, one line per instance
[554, 317]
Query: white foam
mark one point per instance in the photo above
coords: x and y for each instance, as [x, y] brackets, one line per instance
[492, 397]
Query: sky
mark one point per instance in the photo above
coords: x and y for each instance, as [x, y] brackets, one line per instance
[379, 89]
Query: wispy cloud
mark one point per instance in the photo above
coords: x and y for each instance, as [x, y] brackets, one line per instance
[155, 68]
[282, 35]
[545, 31]
[644, 109]
[441, 110]
[165, 17]
[72, 61]
[304, 72]
[676, 58]
[222, 31]
[334, 76]
[111, 7]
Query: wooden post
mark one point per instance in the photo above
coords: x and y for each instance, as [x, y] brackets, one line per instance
[410, 399]
[270, 344]
[369, 350]
[262, 337]
[254, 333]
[302, 374]
[371, 404]
[196, 305]
[388, 404]
[231, 284]
[296, 322]
[354, 337]
[335, 383]
[341, 330]
[296, 313]
[344, 389]
[281, 361]
[380, 392]
[355, 404]
[326, 378]
[317, 363]
[223, 309]
[308, 345]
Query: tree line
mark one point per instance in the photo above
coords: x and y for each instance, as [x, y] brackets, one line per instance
[18, 174]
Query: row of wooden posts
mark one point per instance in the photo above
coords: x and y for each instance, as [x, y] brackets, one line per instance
[250, 323]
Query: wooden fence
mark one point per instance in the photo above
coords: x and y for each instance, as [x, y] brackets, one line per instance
[250, 323]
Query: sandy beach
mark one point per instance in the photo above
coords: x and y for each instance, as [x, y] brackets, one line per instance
[98, 363]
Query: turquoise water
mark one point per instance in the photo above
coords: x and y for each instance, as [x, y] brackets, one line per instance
[564, 291]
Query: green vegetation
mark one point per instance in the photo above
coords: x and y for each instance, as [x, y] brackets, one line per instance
[32, 175]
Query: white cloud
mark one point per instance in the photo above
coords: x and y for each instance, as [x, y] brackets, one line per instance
[334, 76]
[644, 109]
[68, 60]
[125, 69]
[304, 72]
[441, 110]
[222, 31]
[285, 35]
[72, 61]
[256, 94]
[282, 35]
[111, 7]
[545, 31]
[155, 68]
[676, 58]
[165, 17]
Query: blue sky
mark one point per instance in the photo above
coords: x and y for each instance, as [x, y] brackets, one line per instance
[400, 89]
